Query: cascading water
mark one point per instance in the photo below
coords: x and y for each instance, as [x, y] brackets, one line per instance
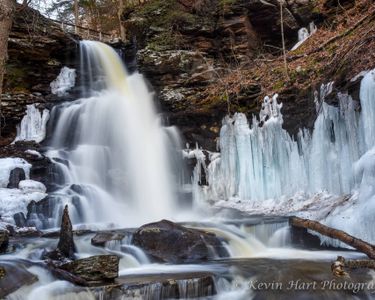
[112, 146]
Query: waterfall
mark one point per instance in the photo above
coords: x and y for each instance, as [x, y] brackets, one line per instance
[262, 161]
[114, 155]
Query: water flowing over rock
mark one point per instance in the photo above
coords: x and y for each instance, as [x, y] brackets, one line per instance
[14, 275]
[171, 242]
[93, 146]
[101, 238]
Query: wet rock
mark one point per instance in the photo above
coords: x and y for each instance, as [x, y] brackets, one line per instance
[66, 242]
[4, 240]
[165, 286]
[19, 219]
[16, 175]
[65, 247]
[40, 214]
[170, 242]
[100, 268]
[101, 238]
[77, 188]
[14, 275]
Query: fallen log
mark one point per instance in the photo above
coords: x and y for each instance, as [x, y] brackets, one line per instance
[338, 266]
[340, 235]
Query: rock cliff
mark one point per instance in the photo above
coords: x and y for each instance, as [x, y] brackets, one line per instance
[207, 58]
[38, 48]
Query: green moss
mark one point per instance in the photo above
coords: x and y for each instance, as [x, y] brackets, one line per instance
[15, 78]
[226, 3]
[278, 85]
[164, 41]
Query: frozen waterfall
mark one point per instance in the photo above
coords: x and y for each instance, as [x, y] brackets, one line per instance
[262, 161]
[33, 125]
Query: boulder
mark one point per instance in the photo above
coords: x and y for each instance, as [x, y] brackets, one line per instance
[19, 219]
[14, 275]
[40, 213]
[101, 238]
[170, 242]
[16, 175]
[100, 268]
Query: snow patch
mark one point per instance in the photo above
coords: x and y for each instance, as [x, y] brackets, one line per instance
[30, 186]
[13, 201]
[34, 152]
[10, 163]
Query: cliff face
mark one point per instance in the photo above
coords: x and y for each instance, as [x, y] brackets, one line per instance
[37, 50]
[207, 58]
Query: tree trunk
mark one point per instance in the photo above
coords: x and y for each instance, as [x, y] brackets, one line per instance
[338, 266]
[283, 38]
[120, 12]
[7, 8]
[358, 244]
[76, 16]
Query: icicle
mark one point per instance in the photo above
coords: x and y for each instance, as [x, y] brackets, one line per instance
[304, 34]
[33, 125]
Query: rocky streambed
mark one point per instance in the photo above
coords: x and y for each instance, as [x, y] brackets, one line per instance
[253, 257]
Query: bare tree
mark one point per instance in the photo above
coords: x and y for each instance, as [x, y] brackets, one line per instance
[121, 7]
[283, 38]
[7, 8]
[76, 16]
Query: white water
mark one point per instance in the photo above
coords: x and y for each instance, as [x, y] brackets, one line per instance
[262, 165]
[117, 149]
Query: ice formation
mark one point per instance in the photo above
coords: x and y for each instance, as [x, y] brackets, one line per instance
[64, 82]
[263, 164]
[10, 163]
[33, 125]
[304, 34]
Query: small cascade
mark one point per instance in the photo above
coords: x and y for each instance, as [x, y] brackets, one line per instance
[266, 232]
[280, 238]
[237, 243]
